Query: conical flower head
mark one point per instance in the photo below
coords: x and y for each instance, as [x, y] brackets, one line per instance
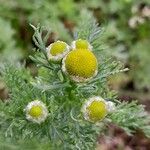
[95, 109]
[36, 111]
[80, 64]
[81, 44]
[57, 50]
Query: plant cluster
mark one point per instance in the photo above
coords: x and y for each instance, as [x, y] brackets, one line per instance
[125, 28]
[69, 103]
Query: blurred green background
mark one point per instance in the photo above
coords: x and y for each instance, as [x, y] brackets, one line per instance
[126, 36]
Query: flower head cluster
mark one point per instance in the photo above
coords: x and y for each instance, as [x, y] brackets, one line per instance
[81, 65]
[96, 108]
[78, 61]
[36, 111]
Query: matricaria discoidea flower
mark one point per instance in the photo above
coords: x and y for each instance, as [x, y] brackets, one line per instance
[36, 111]
[80, 64]
[96, 108]
[57, 50]
[81, 44]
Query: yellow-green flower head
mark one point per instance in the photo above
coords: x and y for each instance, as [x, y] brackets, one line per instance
[80, 64]
[57, 50]
[96, 108]
[36, 111]
[81, 44]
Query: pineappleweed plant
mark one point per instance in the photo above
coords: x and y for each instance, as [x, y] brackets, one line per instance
[68, 104]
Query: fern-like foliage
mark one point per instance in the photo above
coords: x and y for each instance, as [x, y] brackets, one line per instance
[65, 127]
[137, 118]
